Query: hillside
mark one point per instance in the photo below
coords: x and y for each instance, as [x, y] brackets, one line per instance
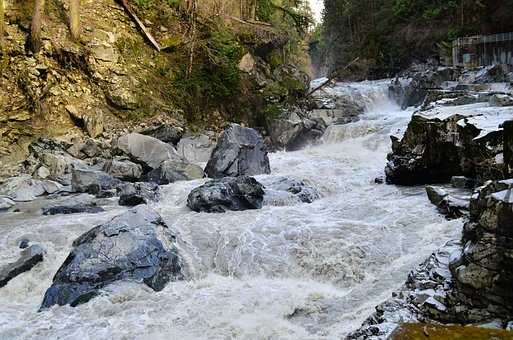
[216, 65]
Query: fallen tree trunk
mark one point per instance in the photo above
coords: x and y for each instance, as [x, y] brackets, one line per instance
[333, 75]
[139, 23]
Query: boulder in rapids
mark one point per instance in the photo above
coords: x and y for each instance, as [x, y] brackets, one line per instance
[82, 203]
[293, 135]
[173, 171]
[145, 150]
[135, 246]
[286, 191]
[239, 151]
[29, 258]
[228, 193]
[132, 194]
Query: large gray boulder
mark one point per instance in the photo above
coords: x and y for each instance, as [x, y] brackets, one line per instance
[135, 246]
[82, 203]
[229, 193]
[29, 258]
[145, 150]
[173, 171]
[239, 151]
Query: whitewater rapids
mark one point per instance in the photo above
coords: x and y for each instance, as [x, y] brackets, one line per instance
[309, 271]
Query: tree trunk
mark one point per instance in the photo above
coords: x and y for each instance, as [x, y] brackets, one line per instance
[74, 18]
[35, 27]
[2, 10]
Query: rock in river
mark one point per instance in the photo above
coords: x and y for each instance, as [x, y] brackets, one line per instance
[135, 246]
[29, 258]
[239, 151]
[229, 193]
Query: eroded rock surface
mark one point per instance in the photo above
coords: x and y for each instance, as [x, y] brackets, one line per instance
[135, 246]
[239, 151]
[228, 193]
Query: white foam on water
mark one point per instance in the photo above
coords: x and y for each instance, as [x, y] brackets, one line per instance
[309, 271]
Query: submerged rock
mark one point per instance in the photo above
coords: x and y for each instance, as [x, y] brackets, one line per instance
[6, 203]
[135, 246]
[239, 151]
[138, 193]
[29, 258]
[229, 193]
[285, 191]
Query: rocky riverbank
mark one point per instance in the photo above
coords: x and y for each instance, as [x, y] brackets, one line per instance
[460, 134]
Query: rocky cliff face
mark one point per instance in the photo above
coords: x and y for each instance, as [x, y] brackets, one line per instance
[111, 81]
[457, 131]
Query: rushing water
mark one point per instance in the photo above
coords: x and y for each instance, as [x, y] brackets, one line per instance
[309, 271]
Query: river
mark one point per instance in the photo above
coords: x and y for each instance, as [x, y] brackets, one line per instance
[309, 271]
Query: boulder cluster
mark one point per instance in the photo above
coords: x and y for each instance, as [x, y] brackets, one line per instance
[137, 245]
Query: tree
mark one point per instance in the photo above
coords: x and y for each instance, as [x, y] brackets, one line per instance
[74, 18]
[35, 28]
[2, 9]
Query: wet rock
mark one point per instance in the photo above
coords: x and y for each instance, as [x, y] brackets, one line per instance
[484, 269]
[123, 169]
[508, 146]
[451, 207]
[87, 208]
[414, 91]
[145, 150]
[196, 149]
[173, 171]
[93, 181]
[239, 151]
[6, 203]
[29, 258]
[433, 150]
[501, 100]
[135, 246]
[462, 182]
[286, 191]
[294, 135]
[228, 193]
[492, 74]
[165, 132]
[24, 243]
[132, 194]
